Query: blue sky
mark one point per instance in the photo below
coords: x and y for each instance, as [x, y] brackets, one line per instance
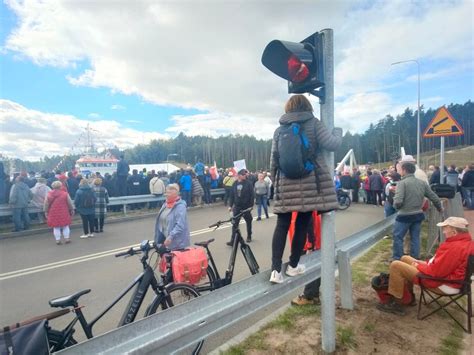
[143, 70]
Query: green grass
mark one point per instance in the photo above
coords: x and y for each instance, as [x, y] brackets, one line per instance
[452, 344]
[381, 253]
[369, 327]
[286, 320]
[346, 337]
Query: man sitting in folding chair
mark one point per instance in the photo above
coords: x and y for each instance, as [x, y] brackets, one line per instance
[449, 263]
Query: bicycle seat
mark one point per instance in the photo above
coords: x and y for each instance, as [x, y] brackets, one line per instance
[67, 301]
[204, 243]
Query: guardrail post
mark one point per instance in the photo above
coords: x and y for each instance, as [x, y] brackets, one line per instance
[124, 209]
[345, 279]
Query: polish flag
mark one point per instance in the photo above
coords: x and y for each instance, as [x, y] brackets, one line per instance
[214, 172]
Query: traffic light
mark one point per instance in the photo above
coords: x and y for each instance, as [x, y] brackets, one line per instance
[299, 63]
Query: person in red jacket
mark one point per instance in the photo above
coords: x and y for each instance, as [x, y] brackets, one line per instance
[449, 262]
[58, 208]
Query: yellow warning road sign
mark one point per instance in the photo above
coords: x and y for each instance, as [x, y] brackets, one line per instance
[442, 125]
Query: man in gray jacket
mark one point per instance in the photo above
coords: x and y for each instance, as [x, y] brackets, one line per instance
[20, 197]
[408, 200]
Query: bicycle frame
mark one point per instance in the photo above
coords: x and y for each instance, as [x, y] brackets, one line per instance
[229, 273]
[143, 282]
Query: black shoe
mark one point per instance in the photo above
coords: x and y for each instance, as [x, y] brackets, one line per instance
[230, 243]
[267, 216]
[100, 231]
[391, 307]
[249, 240]
[259, 218]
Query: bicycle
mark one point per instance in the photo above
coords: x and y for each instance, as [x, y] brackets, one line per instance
[214, 279]
[166, 296]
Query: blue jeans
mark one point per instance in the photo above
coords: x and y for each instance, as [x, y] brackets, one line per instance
[400, 229]
[262, 201]
[21, 218]
[388, 209]
[186, 196]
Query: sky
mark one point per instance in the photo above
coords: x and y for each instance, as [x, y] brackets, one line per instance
[142, 70]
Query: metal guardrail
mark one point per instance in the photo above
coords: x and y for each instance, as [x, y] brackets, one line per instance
[6, 210]
[177, 330]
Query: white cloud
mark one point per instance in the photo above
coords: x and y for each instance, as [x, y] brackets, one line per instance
[117, 107]
[94, 115]
[206, 55]
[37, 134]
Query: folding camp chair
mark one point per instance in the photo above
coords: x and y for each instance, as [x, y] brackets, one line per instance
[442, 300]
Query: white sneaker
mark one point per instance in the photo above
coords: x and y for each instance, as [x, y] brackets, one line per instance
[84, 236]
[276, 277]
[91, 235]
[293, 271]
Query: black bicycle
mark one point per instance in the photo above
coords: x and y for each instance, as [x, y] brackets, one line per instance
[214, 280]
[343, 199]
[166, 296]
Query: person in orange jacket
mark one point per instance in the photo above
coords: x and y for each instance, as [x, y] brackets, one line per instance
[313, 242]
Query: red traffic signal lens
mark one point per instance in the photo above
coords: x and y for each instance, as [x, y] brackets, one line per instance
[297, 70]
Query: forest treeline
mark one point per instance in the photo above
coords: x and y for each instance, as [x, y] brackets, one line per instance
[377, 144]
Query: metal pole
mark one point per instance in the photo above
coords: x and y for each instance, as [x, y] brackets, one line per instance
[441, 162]
[328, 230]
[418, 133]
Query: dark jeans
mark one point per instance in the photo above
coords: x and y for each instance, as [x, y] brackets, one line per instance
[207, 194]
[228, 191]
[248, 221]
[186, 196]
[376, 197]
[279, 238]
[88, 221]
[355, 195]
[311, 290]
[122, 185]
[21, 218]
[99, 223]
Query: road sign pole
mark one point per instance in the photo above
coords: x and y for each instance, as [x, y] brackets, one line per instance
[328, 305]
[441, 161]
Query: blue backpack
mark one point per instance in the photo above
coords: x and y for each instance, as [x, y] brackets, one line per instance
[295, 155]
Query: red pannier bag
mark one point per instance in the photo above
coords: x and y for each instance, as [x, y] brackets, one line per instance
[188, 265]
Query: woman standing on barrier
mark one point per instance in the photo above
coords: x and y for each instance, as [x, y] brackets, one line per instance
[172, 228]
[58, 209]
[313, 190]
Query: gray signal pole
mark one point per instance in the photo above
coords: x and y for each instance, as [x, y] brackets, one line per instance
[328, 230]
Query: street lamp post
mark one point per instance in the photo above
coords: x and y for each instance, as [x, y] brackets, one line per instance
[418, 133]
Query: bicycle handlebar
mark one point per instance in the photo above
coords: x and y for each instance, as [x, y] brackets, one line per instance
[144, 247]
[219, 223]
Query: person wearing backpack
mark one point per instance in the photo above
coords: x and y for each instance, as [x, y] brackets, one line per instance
[303, 182]
[84, 201]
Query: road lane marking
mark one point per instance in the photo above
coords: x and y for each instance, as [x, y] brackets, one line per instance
[80, 259]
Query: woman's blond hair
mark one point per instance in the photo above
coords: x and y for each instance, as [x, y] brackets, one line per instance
[298, 103]
[56, 185]
[97, 182]
[83, 182]
[173, 187]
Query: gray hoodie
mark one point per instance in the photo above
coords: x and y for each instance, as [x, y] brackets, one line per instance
[20, 195]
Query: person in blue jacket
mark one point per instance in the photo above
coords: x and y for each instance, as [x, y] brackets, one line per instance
[171, 227]
[186, 184]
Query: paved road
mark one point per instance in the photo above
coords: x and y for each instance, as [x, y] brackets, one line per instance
[33, 269]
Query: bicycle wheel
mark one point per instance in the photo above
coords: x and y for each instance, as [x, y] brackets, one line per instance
[344, 203]
[57, 342]
[207, 283]
[178, 293]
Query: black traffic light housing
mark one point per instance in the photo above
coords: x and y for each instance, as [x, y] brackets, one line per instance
[299, 63]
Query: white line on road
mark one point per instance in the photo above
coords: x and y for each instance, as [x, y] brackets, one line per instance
[58, 264]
